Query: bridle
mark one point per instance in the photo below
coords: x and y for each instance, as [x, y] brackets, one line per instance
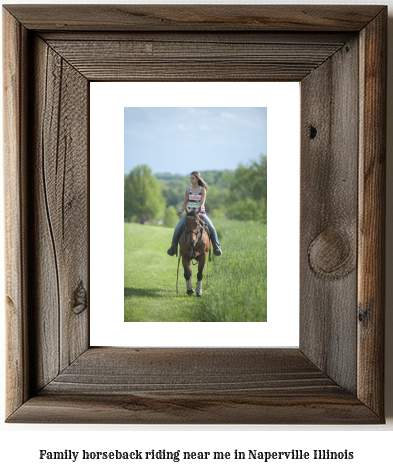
[197, 233]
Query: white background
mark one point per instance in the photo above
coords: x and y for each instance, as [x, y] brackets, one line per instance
[19, 444]
[107, 205]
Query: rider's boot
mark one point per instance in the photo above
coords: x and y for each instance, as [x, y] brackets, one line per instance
[172, 250]
[217, 248]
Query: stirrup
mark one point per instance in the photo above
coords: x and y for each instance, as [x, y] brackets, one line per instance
[217, 251]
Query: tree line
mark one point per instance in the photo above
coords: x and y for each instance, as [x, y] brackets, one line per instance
[235, 194]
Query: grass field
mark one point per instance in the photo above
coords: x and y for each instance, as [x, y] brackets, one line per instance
[236, 289]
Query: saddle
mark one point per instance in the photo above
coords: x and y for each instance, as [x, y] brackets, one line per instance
[205, 227]
[202, 225]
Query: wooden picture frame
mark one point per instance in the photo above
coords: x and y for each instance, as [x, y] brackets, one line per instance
[338, 54]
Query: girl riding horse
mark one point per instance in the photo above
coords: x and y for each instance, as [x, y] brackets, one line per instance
[194, 199]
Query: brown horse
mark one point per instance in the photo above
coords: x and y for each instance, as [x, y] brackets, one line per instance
[194, 244]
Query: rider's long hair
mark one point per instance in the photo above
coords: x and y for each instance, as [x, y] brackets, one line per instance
[200, 180]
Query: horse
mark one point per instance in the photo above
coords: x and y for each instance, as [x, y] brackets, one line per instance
[194, 244]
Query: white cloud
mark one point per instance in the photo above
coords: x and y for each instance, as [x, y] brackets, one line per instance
[227, 115]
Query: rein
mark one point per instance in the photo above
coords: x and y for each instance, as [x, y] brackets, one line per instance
[177, 281]
[185, 232]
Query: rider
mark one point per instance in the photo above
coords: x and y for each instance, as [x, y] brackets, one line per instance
[194, 198]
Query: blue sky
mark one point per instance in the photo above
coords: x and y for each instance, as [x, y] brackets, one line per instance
[184, 139]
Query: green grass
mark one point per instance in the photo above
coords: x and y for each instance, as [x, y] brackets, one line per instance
[237, 282]
[150, 277]
[238, 290]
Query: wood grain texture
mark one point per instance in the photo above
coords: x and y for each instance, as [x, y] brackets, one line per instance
[194, 409]
[193, 386]
[59, 221]
[372, 172]
[183, 371]
[329, 169]
[201, 37]
[14, 73]
[52, 374]
[185, 59]
[195, 17]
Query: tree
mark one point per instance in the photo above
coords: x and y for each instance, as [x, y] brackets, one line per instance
[249, 191]
[142, 195]
[251, 181]
[248, 210]
[173, 191]
[170, 217]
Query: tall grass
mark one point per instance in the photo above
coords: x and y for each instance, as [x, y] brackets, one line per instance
[238, 282]
[235, 290]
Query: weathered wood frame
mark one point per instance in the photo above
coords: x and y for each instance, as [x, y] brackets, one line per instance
[338, 54]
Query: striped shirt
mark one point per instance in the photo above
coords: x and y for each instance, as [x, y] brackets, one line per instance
[194, 201]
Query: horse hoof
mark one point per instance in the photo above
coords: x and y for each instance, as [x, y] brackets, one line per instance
[199, 295]
[191, 292]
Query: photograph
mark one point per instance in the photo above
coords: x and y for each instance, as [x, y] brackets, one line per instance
[197, 85]
[195, 189]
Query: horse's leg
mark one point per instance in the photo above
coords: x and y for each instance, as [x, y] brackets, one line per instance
[187, 275]
[201, 264]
